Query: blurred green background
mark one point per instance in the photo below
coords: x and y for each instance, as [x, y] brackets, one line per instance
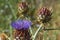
[8, 10]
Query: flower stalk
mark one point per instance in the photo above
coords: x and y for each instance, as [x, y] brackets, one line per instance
[34, 36]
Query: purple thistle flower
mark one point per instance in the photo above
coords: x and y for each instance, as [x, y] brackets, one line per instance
[21, 24]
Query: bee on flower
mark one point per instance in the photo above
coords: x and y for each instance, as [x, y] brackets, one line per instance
[21, 29]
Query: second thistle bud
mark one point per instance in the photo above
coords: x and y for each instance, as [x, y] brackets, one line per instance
[22, 7]
[44, 14]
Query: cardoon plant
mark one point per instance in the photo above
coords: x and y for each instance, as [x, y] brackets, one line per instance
[21, 29]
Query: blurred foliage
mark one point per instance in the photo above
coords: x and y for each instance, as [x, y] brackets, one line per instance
[8, 10]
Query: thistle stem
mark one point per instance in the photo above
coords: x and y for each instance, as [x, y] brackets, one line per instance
[34, 36]
[31, 30]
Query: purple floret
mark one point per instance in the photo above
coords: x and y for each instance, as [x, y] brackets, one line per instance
[21, 24]
[26, 24]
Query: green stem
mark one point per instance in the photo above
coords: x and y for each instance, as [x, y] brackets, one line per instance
[34, 36]
[12, 10]
[31, 31]
[10, 32]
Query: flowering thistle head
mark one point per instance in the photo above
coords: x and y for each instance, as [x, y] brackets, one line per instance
[21, 24]
[44, 14]
[22, 7]
[21, 29]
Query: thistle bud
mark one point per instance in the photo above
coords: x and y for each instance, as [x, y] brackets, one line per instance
[22, 7]
[44, 14]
